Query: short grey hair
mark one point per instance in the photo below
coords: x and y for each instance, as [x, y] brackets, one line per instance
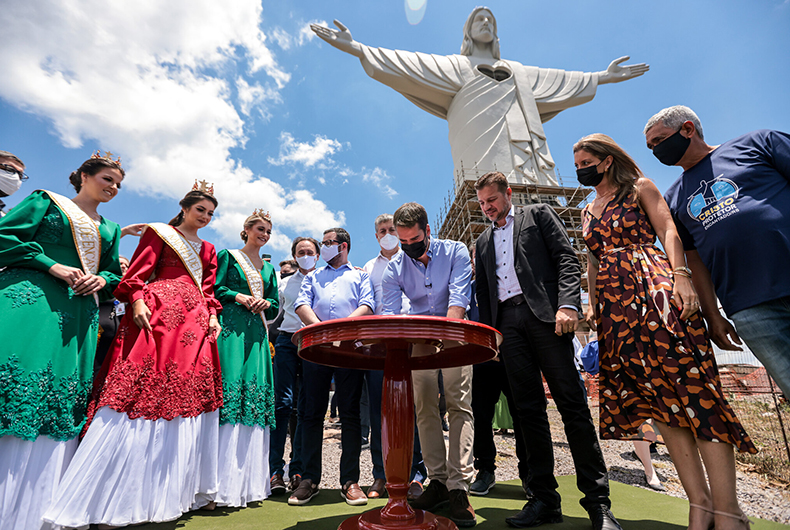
[383, 218]
[11, 156]
[674, 118]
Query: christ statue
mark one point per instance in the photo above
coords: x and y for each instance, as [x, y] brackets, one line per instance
[495, 108]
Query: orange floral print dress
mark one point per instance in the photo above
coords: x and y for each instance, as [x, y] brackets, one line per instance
[652, 363]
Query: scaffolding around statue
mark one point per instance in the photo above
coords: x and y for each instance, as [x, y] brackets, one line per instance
[461, 219]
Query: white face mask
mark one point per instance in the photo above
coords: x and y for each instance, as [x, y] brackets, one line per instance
[9, 182]
[306, 262]
[388, 242]
[329, 253]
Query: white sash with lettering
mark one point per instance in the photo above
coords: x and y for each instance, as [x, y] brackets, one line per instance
[253, 275]
[87, 239]
[181, 246]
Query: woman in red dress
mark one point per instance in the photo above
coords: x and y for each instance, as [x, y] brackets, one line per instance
[656, 360]
[150, 451]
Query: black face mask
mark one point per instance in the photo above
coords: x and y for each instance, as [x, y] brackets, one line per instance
[284, 275]
[671, 150]
[415, 250]
[589, 176]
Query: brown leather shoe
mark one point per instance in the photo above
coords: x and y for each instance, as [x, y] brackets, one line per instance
[378, 489]
[353, 494]
[294, 482]
[461, 512]
[415, 490]
[277, 484]
[434, 496]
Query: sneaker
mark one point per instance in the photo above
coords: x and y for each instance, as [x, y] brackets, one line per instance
[294, 482]
[353, 494]
[434, 496]
[415, 490]
[365, 444]
[303, 493]
[483, 483]
[445, 425]
[277, 484]
[461, 512]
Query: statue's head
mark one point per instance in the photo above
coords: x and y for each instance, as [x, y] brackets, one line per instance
[479, 31]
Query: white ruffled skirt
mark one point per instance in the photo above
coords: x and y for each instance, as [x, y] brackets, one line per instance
[243, 464]
[134, 471]
[29, 475]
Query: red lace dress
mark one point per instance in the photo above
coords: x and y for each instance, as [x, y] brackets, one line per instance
[150, 451]
[173, 370]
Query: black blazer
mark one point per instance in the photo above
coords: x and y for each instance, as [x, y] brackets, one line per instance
[546, 265]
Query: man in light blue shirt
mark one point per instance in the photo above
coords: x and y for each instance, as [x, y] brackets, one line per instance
[435, 276]
[337, 290]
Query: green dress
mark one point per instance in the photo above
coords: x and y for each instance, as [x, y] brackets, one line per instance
[48, 333]
[245, 360]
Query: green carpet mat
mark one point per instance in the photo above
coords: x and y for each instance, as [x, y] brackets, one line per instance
[635, 508]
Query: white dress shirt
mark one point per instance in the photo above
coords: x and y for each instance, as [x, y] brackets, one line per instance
[375, 269]
[506, 279]
[288, 291]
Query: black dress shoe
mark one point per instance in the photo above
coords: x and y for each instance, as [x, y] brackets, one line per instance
[535, 513]
[602, 518]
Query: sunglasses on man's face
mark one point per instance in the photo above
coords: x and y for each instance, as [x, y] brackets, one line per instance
[11, 169]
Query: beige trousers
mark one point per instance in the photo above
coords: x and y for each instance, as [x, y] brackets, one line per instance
[453, 469]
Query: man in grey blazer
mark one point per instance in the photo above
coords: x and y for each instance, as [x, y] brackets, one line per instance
[529, 288]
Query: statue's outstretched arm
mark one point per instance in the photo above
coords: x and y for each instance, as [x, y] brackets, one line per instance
[616, 73]
[342, 40]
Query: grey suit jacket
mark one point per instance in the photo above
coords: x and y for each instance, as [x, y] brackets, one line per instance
[548, 270]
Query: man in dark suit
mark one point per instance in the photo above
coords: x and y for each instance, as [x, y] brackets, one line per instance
[528, 287]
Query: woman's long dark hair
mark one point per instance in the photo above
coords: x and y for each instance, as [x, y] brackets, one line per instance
[189, 200]
[91, 167]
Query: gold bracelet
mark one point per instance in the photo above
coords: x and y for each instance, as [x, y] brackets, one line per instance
[683, 271]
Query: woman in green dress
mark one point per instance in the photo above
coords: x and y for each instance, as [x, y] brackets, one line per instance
[247, 288]
[58, 258]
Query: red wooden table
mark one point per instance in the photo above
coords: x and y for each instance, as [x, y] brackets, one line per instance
[397, 345]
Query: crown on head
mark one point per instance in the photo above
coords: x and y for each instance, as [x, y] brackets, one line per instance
[108, 156]
[265, 215]
[204, 187]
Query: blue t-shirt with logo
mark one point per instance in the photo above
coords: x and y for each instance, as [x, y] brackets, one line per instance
[733, 207]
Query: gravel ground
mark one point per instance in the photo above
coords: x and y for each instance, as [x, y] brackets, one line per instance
[758, 497]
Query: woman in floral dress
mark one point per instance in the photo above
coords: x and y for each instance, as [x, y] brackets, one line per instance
[656, 360]
[247, 288]
[50, 284]
[150, 450]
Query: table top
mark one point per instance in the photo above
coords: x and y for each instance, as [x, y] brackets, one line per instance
[363, 342]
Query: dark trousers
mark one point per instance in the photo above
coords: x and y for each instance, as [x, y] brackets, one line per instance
[287, 370]
[489, 380]
[374, 380]
[348, 389]
[530, 347]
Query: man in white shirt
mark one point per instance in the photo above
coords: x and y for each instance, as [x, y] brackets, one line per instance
[287, 370]
[387, 237]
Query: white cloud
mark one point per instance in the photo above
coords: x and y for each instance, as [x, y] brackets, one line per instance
[379, 178]
[307, 154]
[144, 79]
[286, 41]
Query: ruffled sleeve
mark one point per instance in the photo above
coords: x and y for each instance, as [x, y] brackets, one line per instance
[110, 265]
[209, 257]
[270, 292]
[17, 231]
[141, 268]
[222, 292]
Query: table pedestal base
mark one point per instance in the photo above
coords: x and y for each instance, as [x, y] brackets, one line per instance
[423, 520]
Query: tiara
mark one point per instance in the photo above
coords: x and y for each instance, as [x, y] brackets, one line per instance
[204, 187]
[263, 215]
[108, 156]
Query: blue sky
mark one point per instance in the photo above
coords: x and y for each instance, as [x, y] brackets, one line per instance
[241, 94]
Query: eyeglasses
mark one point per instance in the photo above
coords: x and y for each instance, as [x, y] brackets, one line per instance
[12, 169]
[329, 242]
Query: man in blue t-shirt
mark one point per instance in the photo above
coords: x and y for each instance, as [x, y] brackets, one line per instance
[731, 206]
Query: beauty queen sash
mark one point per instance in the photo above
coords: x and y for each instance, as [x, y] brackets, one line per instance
[253, 275]
[85, 231]
[181, 246]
